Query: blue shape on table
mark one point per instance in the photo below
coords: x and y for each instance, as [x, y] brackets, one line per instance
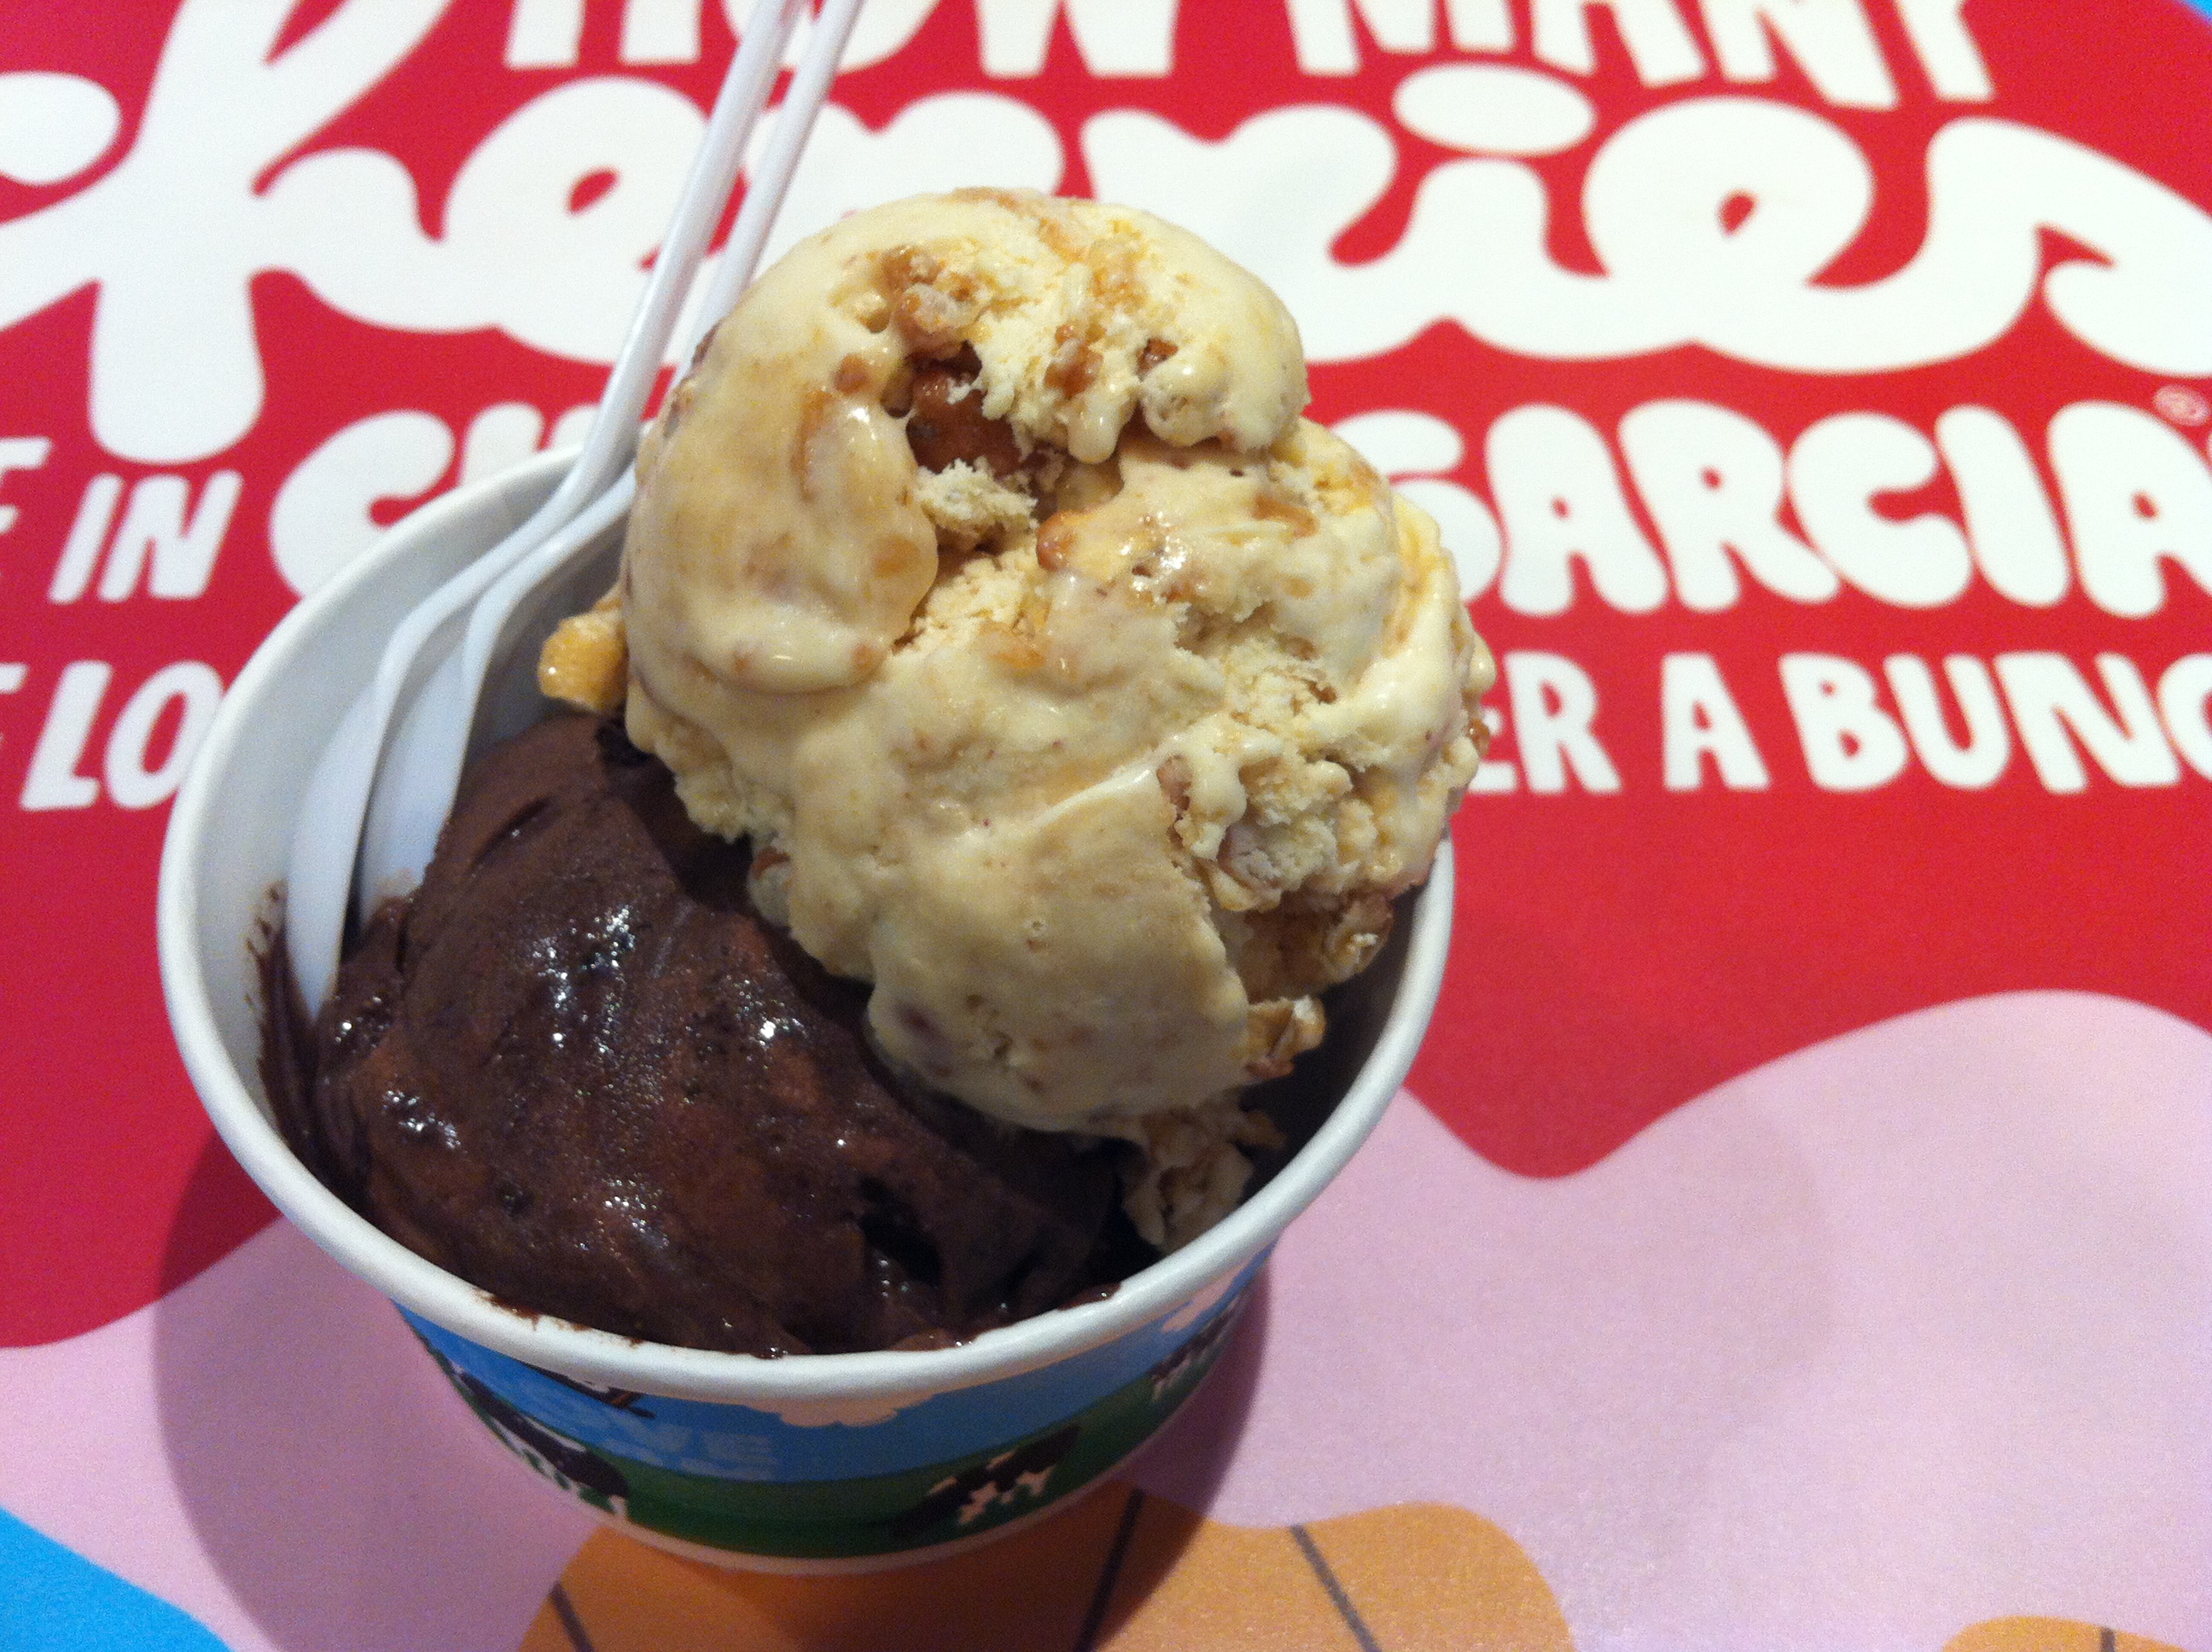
[52, 1597]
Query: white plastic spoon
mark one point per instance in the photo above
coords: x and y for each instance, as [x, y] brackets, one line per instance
[421, 660]
[424, 784]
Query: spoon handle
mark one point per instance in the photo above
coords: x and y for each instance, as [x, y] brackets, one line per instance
[506, 610]
[327, 845]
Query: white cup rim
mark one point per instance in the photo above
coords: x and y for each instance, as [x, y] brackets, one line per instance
[600, 1357]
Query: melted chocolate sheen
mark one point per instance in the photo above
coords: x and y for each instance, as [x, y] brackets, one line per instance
[576, 1069]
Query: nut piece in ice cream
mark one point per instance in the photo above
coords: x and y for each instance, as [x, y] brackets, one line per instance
[1072, 689]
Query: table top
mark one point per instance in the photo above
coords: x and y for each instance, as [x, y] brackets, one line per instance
[1797, 1230]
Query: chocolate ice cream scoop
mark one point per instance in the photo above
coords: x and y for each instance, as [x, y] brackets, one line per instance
[579, 1071]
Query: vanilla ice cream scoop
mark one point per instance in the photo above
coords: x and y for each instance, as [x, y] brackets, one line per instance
[1071, 686]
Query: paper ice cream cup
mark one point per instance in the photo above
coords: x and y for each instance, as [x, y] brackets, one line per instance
[809, 1462]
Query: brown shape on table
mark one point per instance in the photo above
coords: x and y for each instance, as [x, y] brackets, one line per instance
[2049, 1635]
[1119, 1571]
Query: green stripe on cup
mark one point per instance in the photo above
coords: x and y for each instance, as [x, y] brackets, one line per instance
[875, 1514]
